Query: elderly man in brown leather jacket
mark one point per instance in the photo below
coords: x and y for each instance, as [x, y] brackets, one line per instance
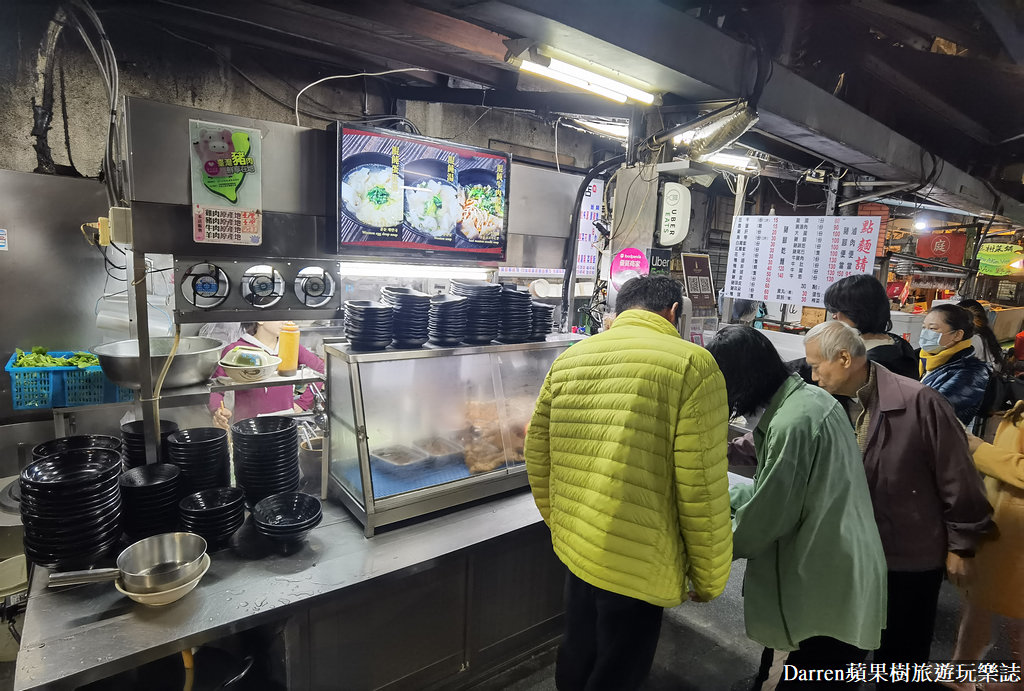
[929, 501]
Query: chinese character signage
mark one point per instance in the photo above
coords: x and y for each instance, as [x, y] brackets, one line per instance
[793, 259]
[397, 192]
[627, 264]
[699, 286]
[226, 194]
[998, 259]
[589, 237]
[949, 247]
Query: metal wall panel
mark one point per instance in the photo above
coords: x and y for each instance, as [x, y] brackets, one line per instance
[540, 201]
[50, 277]
[294, 158]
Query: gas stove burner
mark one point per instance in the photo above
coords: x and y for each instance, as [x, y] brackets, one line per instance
[10, 496]
[262, 286]
[205, 285]
[314, 287]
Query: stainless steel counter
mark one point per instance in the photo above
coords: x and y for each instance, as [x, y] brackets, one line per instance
[75, 635]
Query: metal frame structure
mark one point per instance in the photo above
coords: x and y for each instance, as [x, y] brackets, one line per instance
[374, 513]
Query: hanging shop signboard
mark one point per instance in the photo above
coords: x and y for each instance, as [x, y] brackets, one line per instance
[998, 258]
[227, 197]
[793, 259]
[949, 247]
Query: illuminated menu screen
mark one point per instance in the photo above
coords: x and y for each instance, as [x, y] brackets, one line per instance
[408, 194]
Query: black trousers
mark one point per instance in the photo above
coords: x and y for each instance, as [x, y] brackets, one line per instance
[815, 653]
[609, 640]
[913, 601]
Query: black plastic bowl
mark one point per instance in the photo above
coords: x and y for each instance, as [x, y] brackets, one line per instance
[287, 511]
[82, 441]
[138, 428]
[197, 435]
[153, 476]
[212, 501]
[76, 467]
[263, 425]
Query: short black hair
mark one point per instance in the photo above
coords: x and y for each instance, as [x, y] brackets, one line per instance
[752, 368]
[958, 318]
[249, 327]
[651, 293]
[864, 302]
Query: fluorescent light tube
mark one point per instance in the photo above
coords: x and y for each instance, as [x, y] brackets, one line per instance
[731, 160]
[412, 270]
[586, 85]
[600, 80]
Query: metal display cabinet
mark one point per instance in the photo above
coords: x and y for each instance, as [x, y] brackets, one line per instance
[417, 431]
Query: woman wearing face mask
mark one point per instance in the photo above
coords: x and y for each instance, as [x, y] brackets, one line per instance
[860, 301]
[269, 399]
[948, 363]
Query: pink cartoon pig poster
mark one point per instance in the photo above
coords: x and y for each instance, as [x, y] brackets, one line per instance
[227, 198]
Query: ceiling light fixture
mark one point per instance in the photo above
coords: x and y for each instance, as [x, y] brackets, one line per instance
[550, 63]
[920, 225]
[571, 80]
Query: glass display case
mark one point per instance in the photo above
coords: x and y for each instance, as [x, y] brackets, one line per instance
[417, 431]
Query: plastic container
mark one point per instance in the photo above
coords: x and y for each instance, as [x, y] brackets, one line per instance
[440, 451]
[288, 350]
[62, 387]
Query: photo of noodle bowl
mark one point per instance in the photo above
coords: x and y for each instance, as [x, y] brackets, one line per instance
[371, 193]
[432, 207]
[483, 207]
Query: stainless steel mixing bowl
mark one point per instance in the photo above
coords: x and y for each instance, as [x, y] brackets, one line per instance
[194, 362]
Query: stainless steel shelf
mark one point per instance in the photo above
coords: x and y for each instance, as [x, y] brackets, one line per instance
[431, 351]
[305, 375]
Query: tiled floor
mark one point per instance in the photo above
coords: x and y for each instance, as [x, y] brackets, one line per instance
[703, 647]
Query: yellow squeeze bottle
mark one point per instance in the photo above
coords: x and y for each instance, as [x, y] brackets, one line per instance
[288, 350]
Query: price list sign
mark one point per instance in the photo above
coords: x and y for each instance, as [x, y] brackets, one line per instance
[793, 259]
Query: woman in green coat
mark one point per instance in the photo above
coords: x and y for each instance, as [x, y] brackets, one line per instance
[815, 583]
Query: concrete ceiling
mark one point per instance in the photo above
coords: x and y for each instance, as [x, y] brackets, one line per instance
[665, 44]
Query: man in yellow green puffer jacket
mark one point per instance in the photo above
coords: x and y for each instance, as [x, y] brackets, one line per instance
[626, 455]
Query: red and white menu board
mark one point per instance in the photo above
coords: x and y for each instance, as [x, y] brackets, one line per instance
[793, 259]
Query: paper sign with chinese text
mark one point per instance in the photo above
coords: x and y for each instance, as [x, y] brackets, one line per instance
[793, 259]
[227, 197]
[589, 237]
[699, 285]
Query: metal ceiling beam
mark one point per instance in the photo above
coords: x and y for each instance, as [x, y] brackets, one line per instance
[316, 52]
[1005, 25]
[922, 22]
[678, 53]
[540, 101]
[910, 88]
[442, 32]
[331, 35]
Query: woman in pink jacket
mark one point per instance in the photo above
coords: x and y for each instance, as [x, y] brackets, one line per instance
[269, 399]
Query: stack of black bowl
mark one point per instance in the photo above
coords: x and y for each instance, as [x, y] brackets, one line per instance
[81, 441]
[150, 495]
[368, 324]
[516, 316]
[287, 517]
[71, 508]
[410, 310]
[543, 320]
[266, 456]
[484, 311]
[448, 319]
[214, 514]
[203, 456]
[134, 438]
